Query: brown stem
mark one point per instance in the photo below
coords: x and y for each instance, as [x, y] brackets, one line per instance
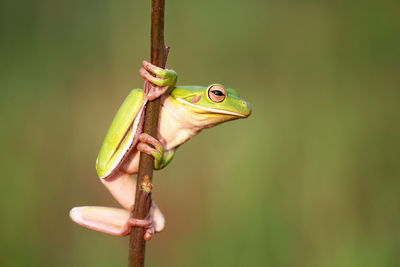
[143, 197]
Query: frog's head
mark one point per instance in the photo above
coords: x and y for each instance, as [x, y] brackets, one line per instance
[211, 105]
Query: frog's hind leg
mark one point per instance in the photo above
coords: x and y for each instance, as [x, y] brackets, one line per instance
[115, 221]
[123, 188]
[122, 135]
[111, 221]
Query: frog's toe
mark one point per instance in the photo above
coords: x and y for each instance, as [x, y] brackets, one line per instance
[156, 92]
[146, 138]
[153, 147]
[150, 146]
[147, 223]
[162, 79]
[154, 222]
[147, 149]
[157, 71]
[160, 86]
[145, 74]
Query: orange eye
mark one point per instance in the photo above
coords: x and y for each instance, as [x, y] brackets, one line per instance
[216, 93]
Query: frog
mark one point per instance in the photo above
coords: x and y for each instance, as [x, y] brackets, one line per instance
[184, 112]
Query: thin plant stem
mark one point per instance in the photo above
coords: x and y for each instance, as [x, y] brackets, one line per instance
[158, 56]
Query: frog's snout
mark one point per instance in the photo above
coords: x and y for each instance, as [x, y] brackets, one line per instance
[245, 108]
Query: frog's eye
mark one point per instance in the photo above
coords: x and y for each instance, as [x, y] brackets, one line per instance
[216, 93]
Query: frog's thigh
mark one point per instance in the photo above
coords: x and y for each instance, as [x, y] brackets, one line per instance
[118, 137]
[123, 188]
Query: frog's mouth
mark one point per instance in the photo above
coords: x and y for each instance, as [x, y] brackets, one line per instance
[212, 110]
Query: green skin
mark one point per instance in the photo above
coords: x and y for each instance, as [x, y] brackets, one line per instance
[184, 112]
[193, 99]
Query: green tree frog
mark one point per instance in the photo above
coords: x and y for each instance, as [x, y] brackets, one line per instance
[184, 112]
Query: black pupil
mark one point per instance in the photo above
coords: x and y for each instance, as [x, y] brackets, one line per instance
[217, 92]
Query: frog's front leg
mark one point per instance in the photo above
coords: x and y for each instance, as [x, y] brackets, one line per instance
[155, 148]
[162, 79]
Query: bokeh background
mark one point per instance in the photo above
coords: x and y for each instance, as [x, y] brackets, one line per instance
[310, 179]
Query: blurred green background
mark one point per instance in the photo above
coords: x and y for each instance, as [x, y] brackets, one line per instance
[310, 179]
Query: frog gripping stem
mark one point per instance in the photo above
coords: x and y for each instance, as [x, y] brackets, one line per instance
[161, 79]
[158, 56]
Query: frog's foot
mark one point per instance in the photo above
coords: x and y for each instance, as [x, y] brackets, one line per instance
[151, 146]
[147, 223]
[162, 79]
[115, 221]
